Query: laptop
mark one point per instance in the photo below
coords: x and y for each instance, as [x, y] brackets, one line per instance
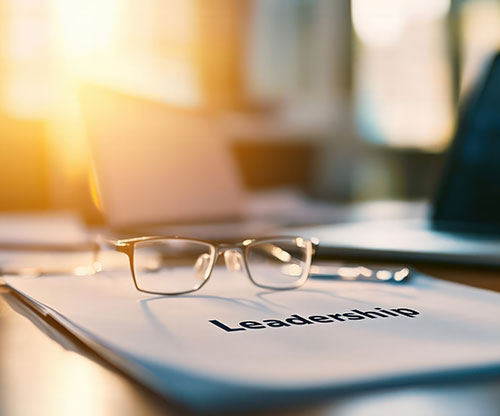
[464, 225]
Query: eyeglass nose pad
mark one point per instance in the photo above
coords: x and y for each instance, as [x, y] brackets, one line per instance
[233, 260]
[201, 266]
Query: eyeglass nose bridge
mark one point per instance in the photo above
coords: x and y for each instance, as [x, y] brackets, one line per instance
[233, 257]
[234, 260]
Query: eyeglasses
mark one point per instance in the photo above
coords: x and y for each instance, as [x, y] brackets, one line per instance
[177, 265]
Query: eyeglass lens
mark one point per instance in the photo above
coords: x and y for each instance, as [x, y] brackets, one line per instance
[172, 266]
[279, 264]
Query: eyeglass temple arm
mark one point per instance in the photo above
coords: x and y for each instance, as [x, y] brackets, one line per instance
[117, 245]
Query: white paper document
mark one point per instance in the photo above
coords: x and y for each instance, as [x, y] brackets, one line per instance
[233, 344]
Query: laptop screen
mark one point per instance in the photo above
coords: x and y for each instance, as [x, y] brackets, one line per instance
[469, 197]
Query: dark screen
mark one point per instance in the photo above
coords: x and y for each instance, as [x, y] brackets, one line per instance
[469, 196]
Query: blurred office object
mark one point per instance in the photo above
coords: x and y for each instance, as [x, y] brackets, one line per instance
[32, 244]
[297, 83]
[464, 225]
[159, 164]
[294, 53]
[469, 194]
[403, 84]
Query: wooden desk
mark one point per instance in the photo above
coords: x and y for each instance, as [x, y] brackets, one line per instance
[38, 376]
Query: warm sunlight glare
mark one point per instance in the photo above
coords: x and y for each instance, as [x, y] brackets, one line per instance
[85, 26]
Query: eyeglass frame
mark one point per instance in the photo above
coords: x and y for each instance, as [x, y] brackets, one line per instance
[127, 246]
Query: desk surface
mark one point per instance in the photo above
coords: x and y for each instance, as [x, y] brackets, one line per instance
[40, 376]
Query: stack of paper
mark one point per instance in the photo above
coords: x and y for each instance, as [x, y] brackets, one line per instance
[233, 344]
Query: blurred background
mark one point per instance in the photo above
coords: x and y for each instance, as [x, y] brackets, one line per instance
[336, 100]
